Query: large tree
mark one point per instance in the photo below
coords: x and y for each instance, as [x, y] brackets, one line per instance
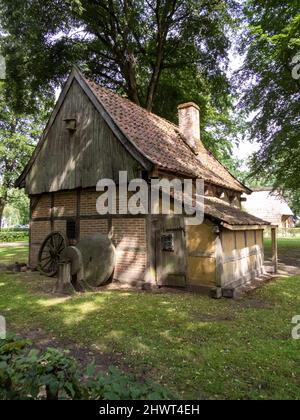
[18, 136]
[270, 92]
[156, 52]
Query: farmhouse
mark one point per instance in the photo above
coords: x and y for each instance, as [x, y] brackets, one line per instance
[93, 134]
[271, 206]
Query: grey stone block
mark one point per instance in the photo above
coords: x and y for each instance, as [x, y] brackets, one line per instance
[228, 292]
[216, 293]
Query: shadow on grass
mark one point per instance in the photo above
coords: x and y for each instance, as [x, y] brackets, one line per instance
[11, 255]
[195, 346]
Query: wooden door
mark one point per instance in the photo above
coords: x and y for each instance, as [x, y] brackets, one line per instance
[170, 251]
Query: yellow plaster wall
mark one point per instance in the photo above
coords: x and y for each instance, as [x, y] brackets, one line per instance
[200, 238]
[201, 264]
[201, 271]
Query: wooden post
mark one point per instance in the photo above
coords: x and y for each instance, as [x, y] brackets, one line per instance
[78, 213]
[219, 262]
[63, 283]
[274, 248]
[52, 212]
[216, 292]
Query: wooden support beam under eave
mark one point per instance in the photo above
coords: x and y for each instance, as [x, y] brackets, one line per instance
[244, 227]
[274, 230]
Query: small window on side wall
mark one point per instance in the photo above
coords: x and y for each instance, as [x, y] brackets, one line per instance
[167, 242]
[71, 229]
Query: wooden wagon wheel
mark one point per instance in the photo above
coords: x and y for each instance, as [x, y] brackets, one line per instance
[50, 252]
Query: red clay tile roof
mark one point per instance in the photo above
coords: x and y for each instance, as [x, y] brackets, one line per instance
[161, 141]
[220, 210]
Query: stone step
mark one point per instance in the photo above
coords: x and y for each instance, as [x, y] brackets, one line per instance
[239, 291]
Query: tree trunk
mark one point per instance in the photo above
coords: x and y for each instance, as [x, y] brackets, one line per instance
[163, 26]
[133, 89]
[154, 82]
[2, 205]
[129, 75]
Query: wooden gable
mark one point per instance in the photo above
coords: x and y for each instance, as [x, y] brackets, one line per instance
[78, 149]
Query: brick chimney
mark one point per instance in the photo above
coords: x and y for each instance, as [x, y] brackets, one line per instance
[189, 124]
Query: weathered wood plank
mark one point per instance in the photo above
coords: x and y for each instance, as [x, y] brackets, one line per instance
[72, 160]
[244, 227]
[219, 261]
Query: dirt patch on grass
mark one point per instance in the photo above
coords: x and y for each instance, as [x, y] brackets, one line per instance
[288, 261]
[253, 303]
[214, 318]
[84, 355]
[14, 244]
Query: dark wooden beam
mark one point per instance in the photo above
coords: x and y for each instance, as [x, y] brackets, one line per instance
[78, 201]
[52, 212]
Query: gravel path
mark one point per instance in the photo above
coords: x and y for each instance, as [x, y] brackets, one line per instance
[13, 244]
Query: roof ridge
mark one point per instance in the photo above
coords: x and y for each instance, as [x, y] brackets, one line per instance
[168, 124]
[152, 137]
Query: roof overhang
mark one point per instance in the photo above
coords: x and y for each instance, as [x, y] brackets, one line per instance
[126, 142]
[244, 227]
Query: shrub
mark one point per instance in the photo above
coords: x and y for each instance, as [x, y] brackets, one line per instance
[10, 350]
[13, 236]
[117, 385]
[15, 229]
[27, 373]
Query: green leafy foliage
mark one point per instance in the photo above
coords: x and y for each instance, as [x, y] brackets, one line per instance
[30, 374]
[119, 386]
[271, 41]
[127, 45]
[18, 136]
[158, 53]
[16, 212]
[26, 373]
[12, 236]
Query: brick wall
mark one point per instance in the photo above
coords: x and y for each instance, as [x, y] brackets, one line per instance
[129, 236]
[38, 232]
[129, 233]
[65, 203]
[43, 206]
[88, 200]
[189, 123]
[89, 227]
[60, 226]
[33, 255]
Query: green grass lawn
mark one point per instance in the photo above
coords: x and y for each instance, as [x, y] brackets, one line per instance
[283, 244]
[10, 255]
[195, 346]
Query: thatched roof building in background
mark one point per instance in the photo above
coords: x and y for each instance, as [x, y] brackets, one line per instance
[271, 206]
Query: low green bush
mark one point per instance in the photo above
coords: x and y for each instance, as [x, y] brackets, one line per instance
[13, 236]
[27, 373]
[15, 229]
[117, 385]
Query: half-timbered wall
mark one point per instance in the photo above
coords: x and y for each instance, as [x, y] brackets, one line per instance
[50, 212]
